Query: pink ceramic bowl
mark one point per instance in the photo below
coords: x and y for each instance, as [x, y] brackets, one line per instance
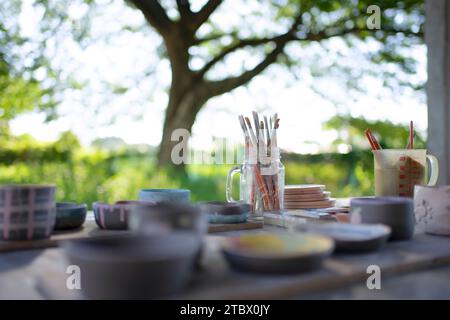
[115, 216]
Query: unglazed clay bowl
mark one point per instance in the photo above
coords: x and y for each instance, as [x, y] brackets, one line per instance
[432, 209]
[27, 212]
[70, 215]
[277, 253]
[165, 195]
[134, 266]
[115, 216]
[395, 212]
[225, 212]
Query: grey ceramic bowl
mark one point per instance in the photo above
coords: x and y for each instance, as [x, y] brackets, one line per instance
[70, 215]
[165, 195]
[134, 266]
[165, 217]
[27, 212]
[225, 212]
[395, 212]
[168, 216]
[352, 238]
[115, 216]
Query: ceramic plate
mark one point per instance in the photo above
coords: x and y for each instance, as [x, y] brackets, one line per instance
[272, 253]
[351, 237]
[304, 188]
[307, 196]
[309, 205]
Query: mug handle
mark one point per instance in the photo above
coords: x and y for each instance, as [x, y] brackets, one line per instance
[230, 175]
[434, 170]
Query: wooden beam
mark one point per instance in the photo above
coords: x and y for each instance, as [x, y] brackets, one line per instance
[437, 38]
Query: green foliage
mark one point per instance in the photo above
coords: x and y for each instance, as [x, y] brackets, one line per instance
[351, 131]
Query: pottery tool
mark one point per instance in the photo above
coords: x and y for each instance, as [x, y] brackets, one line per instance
[266, 124]
[262, 138]
[253, 138]
[256, 120]
[372, 140]
[411, 135]
[246, 136]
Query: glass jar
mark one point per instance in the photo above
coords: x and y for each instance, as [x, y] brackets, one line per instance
[261, 183]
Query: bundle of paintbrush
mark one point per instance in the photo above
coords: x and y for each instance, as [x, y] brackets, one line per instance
[262, 175]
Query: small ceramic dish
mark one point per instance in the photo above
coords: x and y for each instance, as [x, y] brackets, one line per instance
[350, 237]
[70, 215]
[134, 266]
[225, 212]
[279, 254]
[27, 212]
[115, 216]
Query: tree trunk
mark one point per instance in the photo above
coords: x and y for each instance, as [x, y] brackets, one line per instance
[181, 112]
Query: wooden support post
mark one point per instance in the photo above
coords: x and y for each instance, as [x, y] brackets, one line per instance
[437, 38]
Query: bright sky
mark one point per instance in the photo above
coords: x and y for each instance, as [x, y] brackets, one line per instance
[139, 112]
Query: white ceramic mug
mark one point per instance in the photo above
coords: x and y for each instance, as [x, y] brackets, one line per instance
[432, 209]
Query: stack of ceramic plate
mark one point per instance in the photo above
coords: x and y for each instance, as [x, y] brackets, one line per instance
[307, 196]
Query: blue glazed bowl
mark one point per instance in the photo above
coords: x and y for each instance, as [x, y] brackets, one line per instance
[70, 215]
[165, 195]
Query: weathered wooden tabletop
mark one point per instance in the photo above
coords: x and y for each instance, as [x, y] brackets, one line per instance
[419, 268]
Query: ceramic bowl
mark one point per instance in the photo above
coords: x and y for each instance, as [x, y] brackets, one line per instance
[134, 266]
[395, 212]
[225, 212]
[27, 212]
[352, 238]
[165, 217]
[70, 215]
[277, 254]
[168, 216]
[165, 195]
[432, 209]
[115, 216]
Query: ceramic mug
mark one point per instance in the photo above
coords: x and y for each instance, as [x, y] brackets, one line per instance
[432, 209]
[27, 212]
[165, 195]
[395, 212]
[397, 171]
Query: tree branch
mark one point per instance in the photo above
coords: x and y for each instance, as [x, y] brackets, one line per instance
[233, 47]
[213, 36]
[221, 86]
[184, 7]
[155, 14]
[205, 12]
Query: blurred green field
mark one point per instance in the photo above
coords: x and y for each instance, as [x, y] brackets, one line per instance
[111, 170]
[91, 174]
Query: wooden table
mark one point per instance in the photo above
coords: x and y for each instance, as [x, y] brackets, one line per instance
[419, 268]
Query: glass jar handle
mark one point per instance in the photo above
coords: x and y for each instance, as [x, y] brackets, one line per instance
[230, 175]
[434, 169]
